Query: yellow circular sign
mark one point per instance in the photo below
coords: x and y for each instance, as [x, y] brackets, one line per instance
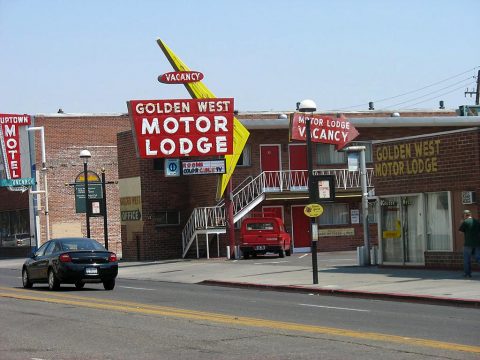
[313, 210]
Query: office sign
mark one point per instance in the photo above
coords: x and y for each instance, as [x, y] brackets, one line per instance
[207, 167]
[182, 127]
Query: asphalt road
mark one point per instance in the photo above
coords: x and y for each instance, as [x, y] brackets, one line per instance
[160, 320]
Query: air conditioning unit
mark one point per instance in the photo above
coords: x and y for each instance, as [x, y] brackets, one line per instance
[469, 110]
[468, 197]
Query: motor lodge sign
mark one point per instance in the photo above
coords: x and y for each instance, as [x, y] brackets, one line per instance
[182, 127]
[10, 143]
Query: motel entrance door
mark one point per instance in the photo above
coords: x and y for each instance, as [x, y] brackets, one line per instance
[402, 230]
[300, 229]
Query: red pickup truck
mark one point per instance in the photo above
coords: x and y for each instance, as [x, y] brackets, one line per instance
[259, 235]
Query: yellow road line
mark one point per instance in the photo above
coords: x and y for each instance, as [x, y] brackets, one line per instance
[132, 307]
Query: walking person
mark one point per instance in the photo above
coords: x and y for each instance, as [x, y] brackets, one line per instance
[471, 228]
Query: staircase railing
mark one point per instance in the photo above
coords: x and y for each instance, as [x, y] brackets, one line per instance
[249, 195]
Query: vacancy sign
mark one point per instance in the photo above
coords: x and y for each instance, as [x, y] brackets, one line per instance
[323, 129]
[182, 127]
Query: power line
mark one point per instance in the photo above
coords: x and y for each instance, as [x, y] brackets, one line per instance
[433, 92]
[413, 91]
[440, 95]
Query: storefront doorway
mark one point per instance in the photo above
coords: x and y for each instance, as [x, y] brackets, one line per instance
[402, 230]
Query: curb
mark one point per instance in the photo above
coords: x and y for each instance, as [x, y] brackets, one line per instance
[425, 299]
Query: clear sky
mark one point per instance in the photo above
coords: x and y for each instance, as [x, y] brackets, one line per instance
[91, 56]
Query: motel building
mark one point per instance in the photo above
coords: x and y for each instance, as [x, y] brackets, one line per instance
[423, 169]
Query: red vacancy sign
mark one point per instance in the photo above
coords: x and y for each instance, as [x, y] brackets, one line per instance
[182, 127]
[323, 129]
[180, 77]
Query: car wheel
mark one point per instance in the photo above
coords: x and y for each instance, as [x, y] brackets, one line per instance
[281, 253]
[109, 284]
[246, 255]
[53, 283]
[79, 285]
[27, 284]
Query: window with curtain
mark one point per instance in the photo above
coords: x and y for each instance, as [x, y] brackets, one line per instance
[327, 155]
[245, 157]
[334, 214]
[439, 234]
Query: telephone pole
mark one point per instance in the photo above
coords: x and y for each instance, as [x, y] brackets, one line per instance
[477, 91]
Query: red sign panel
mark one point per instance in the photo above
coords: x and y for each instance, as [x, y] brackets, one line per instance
[10, 143]
[182, 127]
[180, 77]
[323, 129]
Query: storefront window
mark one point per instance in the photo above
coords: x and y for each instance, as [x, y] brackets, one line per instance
[14, 228]
[438, 222]
[334, 214]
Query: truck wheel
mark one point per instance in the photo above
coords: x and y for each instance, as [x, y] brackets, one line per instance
[246, 255]
[281, 253]
[288, 252]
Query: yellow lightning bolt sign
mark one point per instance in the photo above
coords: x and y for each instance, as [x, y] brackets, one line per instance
[198, 90]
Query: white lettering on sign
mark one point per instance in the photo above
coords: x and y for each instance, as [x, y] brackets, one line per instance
[193, 127]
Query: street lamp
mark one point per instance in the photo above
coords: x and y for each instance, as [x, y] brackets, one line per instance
[85, 155]
[309, 106]
[45, 185]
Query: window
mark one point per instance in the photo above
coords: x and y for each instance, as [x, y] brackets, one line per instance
[159, 164]
[49, 249]
[438, 222]
[245, 158]
[334, 214]
[42, 248]
[167, 218]
[368, 149]
[327, 155]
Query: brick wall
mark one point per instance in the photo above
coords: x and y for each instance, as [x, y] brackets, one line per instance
[65, 137]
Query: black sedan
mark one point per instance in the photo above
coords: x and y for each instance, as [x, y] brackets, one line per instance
[71, 261]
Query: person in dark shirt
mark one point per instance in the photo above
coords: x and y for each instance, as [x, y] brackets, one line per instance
[471, 228]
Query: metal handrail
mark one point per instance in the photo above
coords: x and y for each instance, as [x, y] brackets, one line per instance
[213, 217]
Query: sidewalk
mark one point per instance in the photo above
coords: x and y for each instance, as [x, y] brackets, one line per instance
[338, 275]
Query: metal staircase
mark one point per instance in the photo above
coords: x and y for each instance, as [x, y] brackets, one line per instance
[251, 192]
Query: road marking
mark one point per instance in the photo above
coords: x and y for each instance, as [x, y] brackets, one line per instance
[136, 288]
[301, 257]
[271, 262]
[334, 307]
[139, 308]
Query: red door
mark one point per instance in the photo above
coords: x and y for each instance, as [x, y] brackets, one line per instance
[270, 164]
[301, 229]
[297, 154]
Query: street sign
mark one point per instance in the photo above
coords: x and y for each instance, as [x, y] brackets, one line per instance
[172, 167]
[313, 210]
[324, 129]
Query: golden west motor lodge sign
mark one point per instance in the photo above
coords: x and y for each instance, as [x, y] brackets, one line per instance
[412, 158]
[182, 127]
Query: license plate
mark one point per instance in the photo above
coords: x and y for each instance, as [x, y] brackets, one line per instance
[260, 247]
[91, 271]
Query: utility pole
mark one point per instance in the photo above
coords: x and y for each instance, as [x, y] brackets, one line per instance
[477, 91]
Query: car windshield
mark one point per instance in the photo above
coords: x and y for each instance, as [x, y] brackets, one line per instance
[81, 244]
[260, 226]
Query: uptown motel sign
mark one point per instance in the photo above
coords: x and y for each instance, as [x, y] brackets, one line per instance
[182, 127]
[198, 90]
